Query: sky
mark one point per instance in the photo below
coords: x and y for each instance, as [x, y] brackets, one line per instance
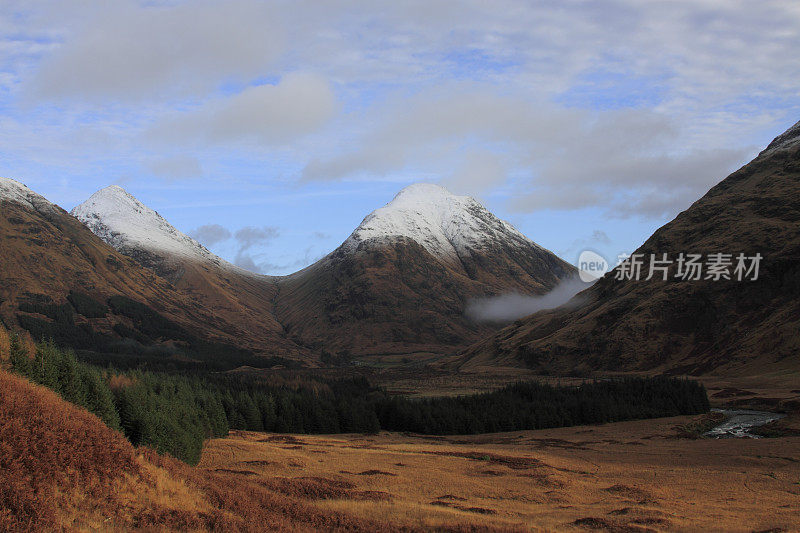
[268, 130]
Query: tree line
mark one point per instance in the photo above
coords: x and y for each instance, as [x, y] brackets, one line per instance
[176, 413]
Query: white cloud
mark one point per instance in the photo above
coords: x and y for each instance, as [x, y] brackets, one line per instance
[522, 96]
[125, 50]
[300, 104]
[249, 237]
[479, 171]
[175, 167]
[629, 162]
[210, 234]
[508, 307]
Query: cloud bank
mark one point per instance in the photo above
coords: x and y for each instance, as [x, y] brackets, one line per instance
[246, 240]
[266, 114]
[123, 51]
[508, 307]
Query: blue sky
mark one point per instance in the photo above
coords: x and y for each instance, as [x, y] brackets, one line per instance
[584, 124]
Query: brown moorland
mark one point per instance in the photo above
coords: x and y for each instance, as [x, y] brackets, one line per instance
[629, 476]
[62, 469]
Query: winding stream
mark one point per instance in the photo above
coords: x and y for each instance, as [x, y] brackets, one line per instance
[739, 422]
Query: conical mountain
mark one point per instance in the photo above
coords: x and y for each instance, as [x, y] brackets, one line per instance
[234, 295]
[399, 285]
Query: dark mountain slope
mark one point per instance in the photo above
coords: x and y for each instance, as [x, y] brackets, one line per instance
[698, 327]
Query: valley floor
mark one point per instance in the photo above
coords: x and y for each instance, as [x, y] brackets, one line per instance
[630, 476]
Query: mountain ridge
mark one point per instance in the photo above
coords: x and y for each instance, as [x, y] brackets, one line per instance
[425, 253]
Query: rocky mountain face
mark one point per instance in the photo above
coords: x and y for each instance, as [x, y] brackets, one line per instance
[401, 282]
[683, 325]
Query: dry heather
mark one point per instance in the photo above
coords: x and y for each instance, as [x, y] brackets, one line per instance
[62, 469]
[5, 343]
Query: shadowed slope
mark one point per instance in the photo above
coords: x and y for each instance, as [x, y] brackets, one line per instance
[704, 326]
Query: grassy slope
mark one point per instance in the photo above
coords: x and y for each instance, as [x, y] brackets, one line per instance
[61, 468]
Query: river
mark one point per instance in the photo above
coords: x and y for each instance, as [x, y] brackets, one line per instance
[739, 422]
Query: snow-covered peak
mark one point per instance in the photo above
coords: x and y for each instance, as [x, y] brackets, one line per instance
[445, 224]
[128, 225]
[788, 139]
[17, 192]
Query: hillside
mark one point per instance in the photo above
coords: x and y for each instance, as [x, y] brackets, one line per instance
[689, 326]
[242, 299]
[402, 280]
[62, 469]
[57, 278]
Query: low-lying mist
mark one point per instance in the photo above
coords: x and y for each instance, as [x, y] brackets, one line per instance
[508, 307]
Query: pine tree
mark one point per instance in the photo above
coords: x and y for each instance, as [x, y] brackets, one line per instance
[20, 362]
[69, 379]
[45, 370]
[98, 398]
[249, 411]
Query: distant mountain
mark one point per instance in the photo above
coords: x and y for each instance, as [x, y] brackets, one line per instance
[398, 285]
[725, 327]
[58, 280]
[137, 231]
[401, 282]
[232, 294]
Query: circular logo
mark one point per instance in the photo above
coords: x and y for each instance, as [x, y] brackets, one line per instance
[591, 266]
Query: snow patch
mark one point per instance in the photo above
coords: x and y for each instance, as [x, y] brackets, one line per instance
[445, 224]
[786, 140]
[126, 224]
[17, 192]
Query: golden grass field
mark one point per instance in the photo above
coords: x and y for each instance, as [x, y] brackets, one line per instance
[630, 476]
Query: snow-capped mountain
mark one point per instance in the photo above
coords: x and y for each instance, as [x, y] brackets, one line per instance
[15, 191]
[131, 227]
[400, 283]
[242, 297]
[47, 257]
[446, 225]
